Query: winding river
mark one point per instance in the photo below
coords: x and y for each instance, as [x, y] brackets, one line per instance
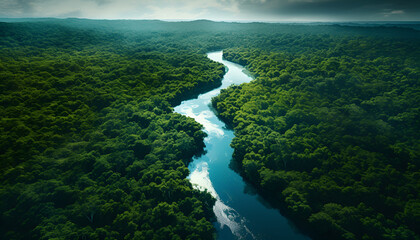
[240, 212]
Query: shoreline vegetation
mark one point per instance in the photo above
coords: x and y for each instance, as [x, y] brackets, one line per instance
[90, 147]
[321, 137]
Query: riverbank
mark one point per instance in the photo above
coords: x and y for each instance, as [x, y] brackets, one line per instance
[241, 214]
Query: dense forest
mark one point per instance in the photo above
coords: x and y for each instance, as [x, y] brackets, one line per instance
[333, 136]
[91, 149]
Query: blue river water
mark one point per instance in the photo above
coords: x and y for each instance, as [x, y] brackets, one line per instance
[240, 212]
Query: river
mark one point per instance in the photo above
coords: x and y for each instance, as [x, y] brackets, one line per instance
[240, 212]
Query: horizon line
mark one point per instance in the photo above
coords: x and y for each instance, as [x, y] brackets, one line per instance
[228, 21]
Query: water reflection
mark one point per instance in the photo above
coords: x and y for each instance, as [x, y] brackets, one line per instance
[240, 215]
[203, 118]
[225, 215]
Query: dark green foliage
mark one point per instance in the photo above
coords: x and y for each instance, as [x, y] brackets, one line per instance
[90, 148]
[333, 135]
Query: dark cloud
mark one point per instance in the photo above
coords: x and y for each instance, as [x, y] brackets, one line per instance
[20, 7]
[101, 2]
[269, 10]
[26, 6]
[339, 9]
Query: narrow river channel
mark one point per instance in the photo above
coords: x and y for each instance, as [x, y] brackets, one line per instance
[241, 214]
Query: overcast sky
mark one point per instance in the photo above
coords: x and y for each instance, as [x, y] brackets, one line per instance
[219, 10]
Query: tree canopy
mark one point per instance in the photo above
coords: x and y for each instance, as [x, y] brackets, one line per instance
[90, 147]
[332, 135]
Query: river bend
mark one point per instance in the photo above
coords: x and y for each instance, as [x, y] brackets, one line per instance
[240, 212]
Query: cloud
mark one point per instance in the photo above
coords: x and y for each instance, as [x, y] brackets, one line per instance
[17, 7]
[390, 13]
[397, 12]
[271, 10]
[191, 9]
[101, 2]
[313, 10]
